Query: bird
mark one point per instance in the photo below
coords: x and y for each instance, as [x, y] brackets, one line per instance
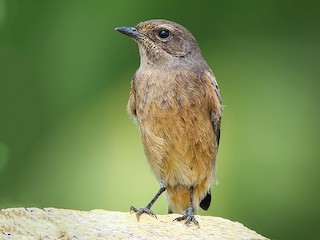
[176, 102]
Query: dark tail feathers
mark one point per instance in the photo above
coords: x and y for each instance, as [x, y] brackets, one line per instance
[205, 203]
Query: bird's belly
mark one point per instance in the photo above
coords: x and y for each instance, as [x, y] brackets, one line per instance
[179, 145]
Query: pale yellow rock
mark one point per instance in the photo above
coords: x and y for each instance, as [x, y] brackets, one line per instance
[52, 223]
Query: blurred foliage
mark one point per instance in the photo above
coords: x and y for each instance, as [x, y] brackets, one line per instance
[66, 140]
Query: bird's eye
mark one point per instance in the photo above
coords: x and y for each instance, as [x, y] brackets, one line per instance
[164, 34]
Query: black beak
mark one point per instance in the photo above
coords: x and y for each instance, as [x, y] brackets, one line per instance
[130, 31]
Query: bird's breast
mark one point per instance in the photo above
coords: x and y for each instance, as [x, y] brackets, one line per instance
[161, 92]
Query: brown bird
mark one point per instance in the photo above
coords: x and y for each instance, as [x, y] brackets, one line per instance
[176, 103]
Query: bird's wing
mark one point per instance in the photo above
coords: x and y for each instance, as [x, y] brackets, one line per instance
[215, 107]
[215, 103]
[131, 107]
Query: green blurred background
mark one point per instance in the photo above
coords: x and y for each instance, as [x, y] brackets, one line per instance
[66, 140]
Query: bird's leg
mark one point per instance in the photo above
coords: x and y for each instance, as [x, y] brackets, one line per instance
[147, 209]
[188, 214]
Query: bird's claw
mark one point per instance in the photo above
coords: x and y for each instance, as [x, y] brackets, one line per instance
[188, 216]
[140, 211]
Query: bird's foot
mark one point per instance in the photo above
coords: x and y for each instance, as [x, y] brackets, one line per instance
[188, 216]
[140, 211]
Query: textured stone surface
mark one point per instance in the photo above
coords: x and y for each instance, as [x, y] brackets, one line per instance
[52, 223]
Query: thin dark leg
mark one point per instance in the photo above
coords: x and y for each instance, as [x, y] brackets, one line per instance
[188, 214]
[147, 209]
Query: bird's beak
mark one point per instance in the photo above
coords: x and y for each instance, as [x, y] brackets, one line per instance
[131, 32]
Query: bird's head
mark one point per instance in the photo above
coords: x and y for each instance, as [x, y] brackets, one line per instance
[162, 42]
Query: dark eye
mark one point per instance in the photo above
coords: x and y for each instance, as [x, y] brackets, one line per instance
[164, 33]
